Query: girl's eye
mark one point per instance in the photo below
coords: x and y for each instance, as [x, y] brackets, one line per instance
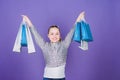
[51, 34]
[57, 33]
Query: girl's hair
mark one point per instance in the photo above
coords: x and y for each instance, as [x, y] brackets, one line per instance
[54, 26]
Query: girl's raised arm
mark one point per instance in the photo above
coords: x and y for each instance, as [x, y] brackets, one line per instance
[69, 36]
[39, 40]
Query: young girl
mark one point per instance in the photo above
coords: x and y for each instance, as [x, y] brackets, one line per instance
[55, 51]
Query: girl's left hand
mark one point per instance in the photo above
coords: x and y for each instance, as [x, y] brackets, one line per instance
[81, 16]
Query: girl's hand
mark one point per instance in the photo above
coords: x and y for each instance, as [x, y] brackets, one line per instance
[81, 16]
[27, 20]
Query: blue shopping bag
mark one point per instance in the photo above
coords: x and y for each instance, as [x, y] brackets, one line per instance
[23, 36]
[86, 32]
[77, 33]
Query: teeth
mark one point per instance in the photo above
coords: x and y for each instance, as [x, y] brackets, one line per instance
[54, 38]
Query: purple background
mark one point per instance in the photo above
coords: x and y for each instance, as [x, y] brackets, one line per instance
[100, 62]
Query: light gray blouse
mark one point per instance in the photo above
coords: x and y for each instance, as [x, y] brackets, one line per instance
[54, 53]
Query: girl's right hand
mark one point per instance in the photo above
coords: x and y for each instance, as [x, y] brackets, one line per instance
[27, 20]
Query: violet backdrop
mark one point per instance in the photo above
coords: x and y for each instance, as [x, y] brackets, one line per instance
[100, 62]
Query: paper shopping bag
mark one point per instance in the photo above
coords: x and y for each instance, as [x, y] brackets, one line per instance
[23, 36]
[77, 33]
[86, 32]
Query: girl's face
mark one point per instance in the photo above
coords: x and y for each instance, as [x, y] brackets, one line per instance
[54, 35]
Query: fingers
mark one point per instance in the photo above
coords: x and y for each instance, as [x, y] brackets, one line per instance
[27, 20]
[82, 13]
[24, 19]
[24, 16]
[81, 16]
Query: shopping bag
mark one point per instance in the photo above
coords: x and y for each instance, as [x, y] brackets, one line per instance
[86, 34]
[24, 39]
[77, 33]
[23, 36]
